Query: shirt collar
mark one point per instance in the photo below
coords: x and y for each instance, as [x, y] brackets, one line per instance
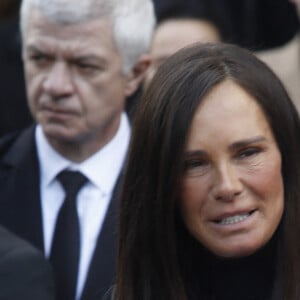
[102, 168]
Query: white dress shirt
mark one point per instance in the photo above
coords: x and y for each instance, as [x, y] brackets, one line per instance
[102, 170]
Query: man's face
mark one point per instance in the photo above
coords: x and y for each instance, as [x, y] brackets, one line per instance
[75, 85]
[174, 34]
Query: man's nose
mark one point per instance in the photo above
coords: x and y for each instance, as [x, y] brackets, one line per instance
[227, 183]
[58, 82]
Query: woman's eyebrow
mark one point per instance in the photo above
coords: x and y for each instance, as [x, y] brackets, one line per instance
[247, 142]
[193, 153]
[235, 145]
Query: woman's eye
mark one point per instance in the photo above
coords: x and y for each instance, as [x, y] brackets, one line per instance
[249, 152]
[195, 165]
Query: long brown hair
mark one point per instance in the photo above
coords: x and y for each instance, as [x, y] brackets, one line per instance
[148, 266]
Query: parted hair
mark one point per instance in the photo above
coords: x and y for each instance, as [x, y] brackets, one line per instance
[148, 266]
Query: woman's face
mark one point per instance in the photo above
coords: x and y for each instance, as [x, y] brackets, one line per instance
[232, 193]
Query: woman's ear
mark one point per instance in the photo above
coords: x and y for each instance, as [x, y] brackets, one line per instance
[137, 74]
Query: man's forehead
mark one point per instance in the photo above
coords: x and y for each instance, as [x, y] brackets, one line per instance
[43, 33]
[76, 50]
[68, 12]
[39, 23]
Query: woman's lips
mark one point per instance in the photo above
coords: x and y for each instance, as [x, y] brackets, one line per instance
[233, 218]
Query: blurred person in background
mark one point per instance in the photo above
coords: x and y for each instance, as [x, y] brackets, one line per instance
[180, 24]
[267, 27]
[284, 60]
[254, 24]
[175, 33]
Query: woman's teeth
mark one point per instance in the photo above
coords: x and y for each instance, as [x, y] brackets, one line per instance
[234, 219]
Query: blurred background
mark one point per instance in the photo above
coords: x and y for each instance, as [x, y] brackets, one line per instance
[270, 28]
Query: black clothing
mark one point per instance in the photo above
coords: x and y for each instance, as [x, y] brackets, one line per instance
[208, 277]
[65, 251]
[21, 212]
[254, 24]
[24, 273]
[250, 278]
[14, 112]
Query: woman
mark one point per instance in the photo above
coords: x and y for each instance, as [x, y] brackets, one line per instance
[210, 206]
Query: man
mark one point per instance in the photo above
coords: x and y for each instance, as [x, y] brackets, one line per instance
[81, 60]
[24, 272]
[174, 33]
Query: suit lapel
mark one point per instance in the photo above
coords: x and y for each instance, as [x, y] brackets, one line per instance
[21, 207]
[21, 212]
[103, 264]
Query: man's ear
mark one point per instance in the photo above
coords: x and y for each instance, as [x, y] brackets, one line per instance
[137, 74]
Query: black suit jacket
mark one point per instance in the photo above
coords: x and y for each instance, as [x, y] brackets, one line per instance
[20, 209]
[24, 273]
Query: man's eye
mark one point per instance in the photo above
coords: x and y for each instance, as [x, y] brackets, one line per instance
[38, 57]
[86, 66]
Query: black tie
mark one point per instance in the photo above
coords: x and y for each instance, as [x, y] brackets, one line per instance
[66, 240]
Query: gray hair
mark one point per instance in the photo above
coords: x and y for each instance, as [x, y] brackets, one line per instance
[133, 21]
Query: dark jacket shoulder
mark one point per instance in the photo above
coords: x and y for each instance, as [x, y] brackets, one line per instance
[14, 146]
[7, 141]
[24, 272]
[110, 294]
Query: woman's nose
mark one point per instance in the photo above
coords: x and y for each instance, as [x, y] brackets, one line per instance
[227, 183]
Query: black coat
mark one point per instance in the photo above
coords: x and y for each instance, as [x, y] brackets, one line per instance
[20, 209]
[24, 273]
